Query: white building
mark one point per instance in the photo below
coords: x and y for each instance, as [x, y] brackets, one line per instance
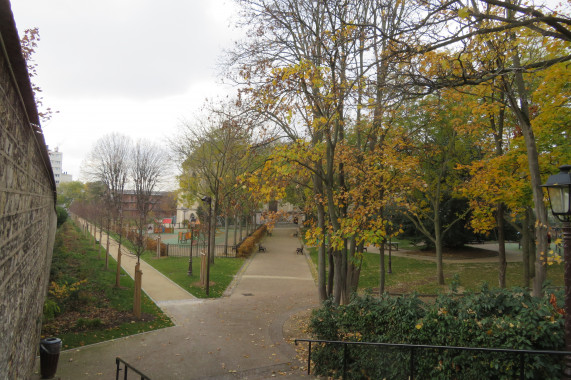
[56, 158]
[65, 177]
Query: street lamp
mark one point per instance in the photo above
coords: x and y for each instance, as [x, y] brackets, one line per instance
[192, 224]
[206, 199]
[559, 191]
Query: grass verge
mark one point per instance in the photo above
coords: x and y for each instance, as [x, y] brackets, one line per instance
[417, 275]
[83, 306]
[222, 273]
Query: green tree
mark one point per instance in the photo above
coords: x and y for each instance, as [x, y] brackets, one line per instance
[68, 192]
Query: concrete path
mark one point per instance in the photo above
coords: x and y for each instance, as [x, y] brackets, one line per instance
[157, 286]
[240, 336]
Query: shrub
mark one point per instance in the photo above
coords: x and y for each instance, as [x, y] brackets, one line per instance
[493, 318]
[51, 310]
[152, 246]
[62, 215]
[247, 246]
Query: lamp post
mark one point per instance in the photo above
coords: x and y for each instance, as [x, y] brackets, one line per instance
[559, 191]
[208, 200]
[192, 224]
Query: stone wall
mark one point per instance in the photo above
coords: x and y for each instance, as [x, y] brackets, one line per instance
[27, 213]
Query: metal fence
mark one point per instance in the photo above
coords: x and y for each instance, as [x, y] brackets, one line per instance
[408, 366]
[183, 250]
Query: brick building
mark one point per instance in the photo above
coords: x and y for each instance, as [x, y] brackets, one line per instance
[27, 209]
[163, 204]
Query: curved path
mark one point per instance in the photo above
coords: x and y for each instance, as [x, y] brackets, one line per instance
[239, 336]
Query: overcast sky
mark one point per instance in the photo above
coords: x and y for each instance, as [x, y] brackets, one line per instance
[137, 67]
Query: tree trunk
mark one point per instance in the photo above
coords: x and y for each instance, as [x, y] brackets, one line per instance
[331, 273]
[520, 107]
[212, 234]
[118, 271]
[321, 255]
[240, 226]
[525, 237]
[235, 228]
[438, 244]
[107, 248]
[226, 231]
[382, 270]
[337, 277]
[345, 297]
[502, 264]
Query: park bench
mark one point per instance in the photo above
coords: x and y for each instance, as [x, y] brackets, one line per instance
[299, 251]
[261, 249]
[234, 248]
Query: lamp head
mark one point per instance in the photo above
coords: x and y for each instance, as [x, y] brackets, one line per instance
[559, 191]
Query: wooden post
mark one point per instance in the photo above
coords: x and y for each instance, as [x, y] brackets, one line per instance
[118, 269]
[137, 299]
[159, 247]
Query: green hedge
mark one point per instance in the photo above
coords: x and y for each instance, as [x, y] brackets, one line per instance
[493, 318]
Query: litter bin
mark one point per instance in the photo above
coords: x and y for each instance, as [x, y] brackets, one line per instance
[49, 356]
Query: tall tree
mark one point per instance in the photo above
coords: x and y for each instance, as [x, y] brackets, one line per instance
[149, 166]
[213, 152]
[108, 163]
[440, 149]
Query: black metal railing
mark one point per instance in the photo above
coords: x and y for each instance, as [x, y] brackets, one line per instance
[183, 250]
[414, 348]
[128, 367]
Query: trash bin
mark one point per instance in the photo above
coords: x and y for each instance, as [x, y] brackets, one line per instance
[49, 356]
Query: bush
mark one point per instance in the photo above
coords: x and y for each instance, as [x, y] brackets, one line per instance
[247, 246]
[152, 246]
[51, 310]
[493, 318]
[62, 215]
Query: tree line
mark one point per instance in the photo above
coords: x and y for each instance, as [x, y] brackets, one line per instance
[375, 107]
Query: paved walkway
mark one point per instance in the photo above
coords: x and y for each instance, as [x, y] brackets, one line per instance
[157, 286]
[240, 336]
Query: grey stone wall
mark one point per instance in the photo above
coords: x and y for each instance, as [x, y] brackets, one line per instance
[27, 229]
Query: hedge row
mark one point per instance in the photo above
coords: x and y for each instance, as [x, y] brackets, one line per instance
[493, 318]
[247, 246]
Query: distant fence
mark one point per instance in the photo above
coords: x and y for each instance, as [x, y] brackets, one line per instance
[183, 250]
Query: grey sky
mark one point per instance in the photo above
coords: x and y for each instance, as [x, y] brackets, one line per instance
[137, 67]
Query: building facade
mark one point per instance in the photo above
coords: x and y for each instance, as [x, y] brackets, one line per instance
[56, 158]
[163, 205]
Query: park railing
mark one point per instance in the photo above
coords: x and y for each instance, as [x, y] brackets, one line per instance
[406, 366]
[126, 368]
[183, 250]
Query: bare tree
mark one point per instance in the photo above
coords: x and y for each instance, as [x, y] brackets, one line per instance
[108, 162]
[149, 164]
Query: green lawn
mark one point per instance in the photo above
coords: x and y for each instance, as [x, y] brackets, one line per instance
[412, 275]
[222, 273]
[90, 312]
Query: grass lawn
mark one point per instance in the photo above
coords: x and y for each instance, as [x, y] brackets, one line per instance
[222, 272]
[91, 309]
[416, 275]
[176, 268]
